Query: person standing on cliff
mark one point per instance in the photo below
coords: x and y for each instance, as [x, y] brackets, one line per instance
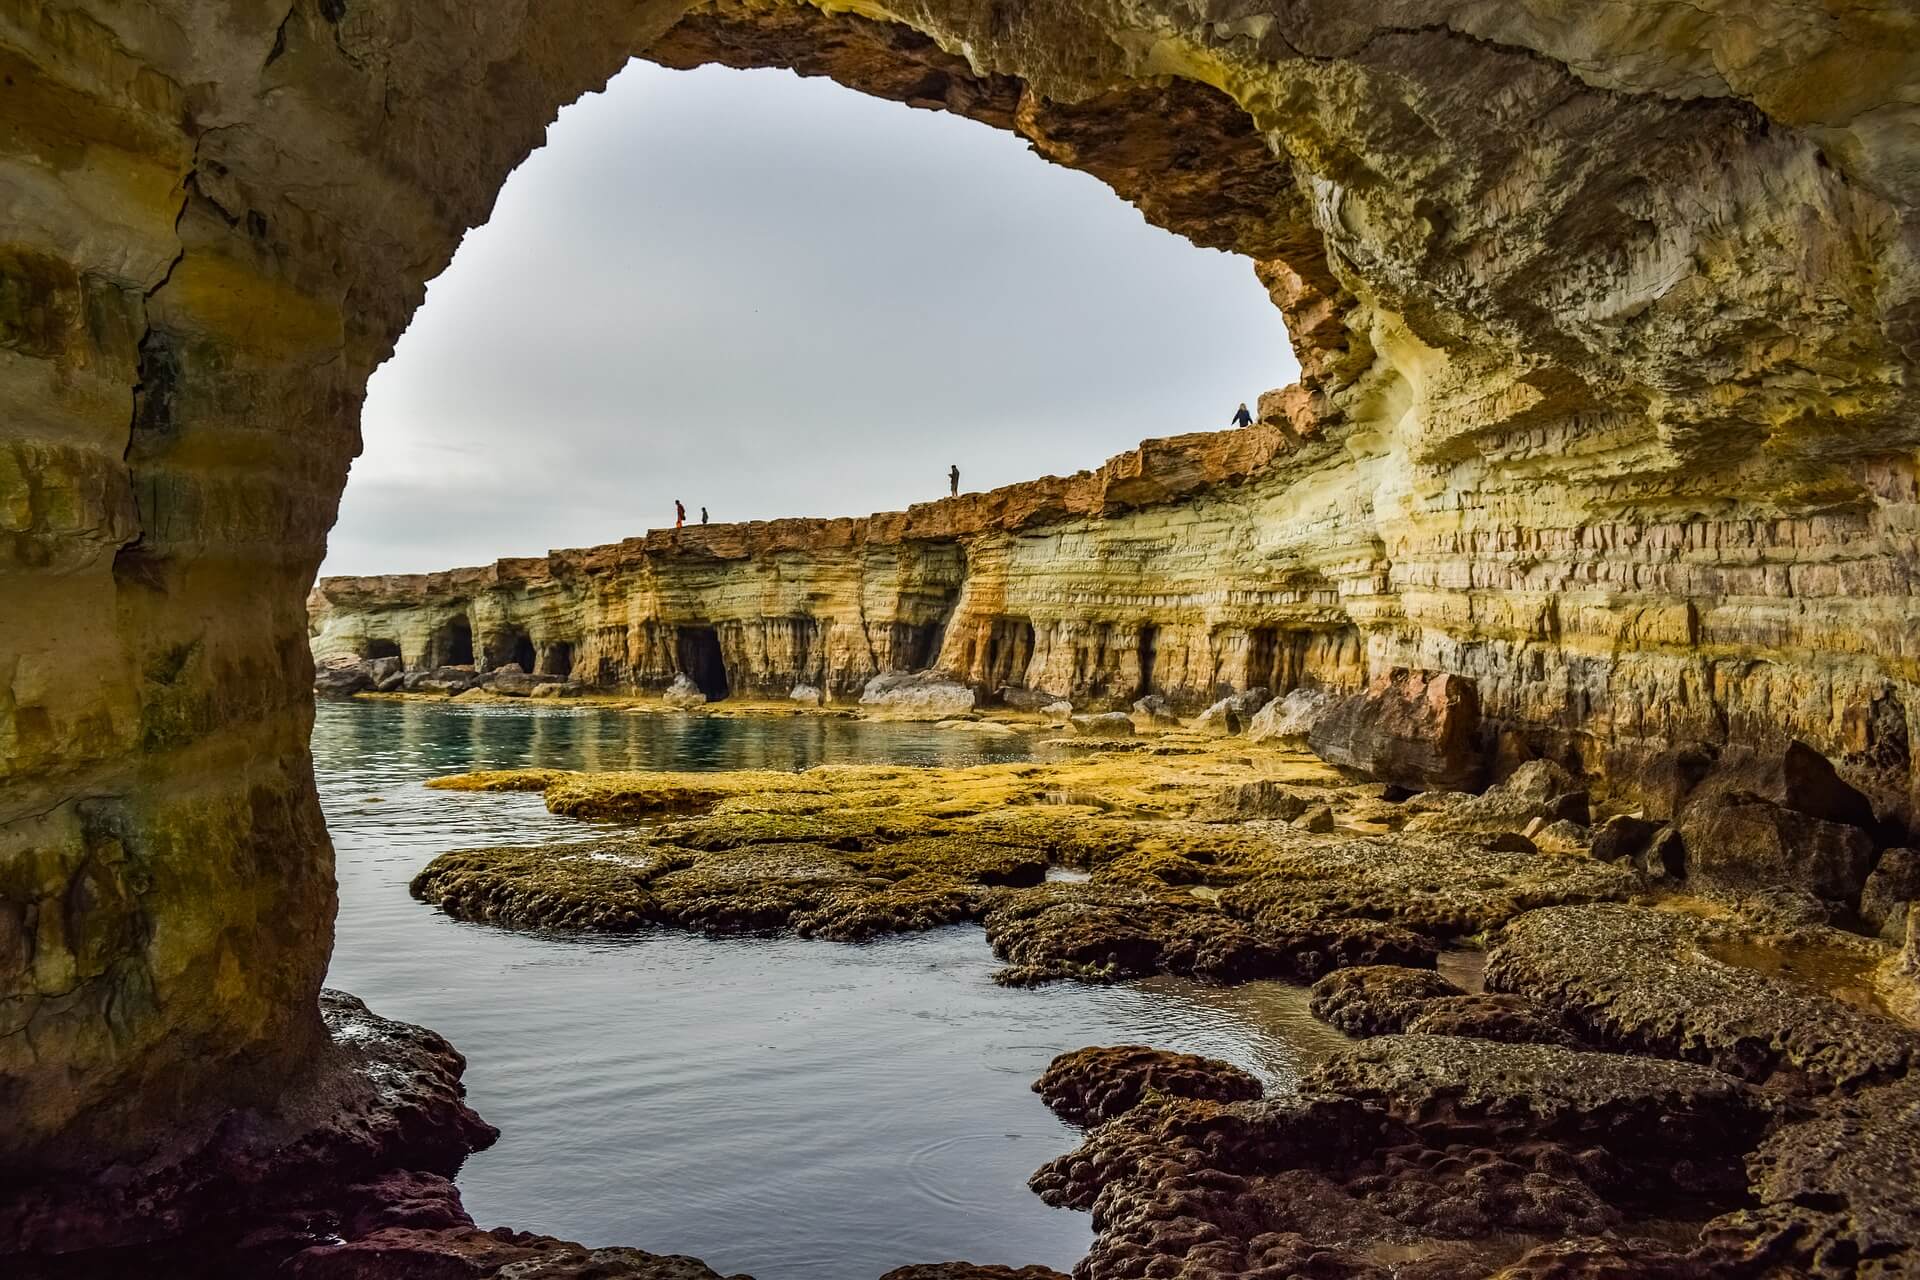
[1243, 418]
[953, 481]
[679, 513]
[703, 515]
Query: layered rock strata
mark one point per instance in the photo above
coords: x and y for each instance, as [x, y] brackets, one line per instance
[1098, 588]
[1607, 318]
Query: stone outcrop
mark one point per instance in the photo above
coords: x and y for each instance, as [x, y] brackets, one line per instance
[1607, 319]
[1097, 588]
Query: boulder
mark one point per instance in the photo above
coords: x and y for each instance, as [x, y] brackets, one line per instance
[1059, 712]
[448, 680]
[683, 694]
[917, 696]
[1248, 701]
[1291, 718]
[1105, 724]
[1316, 821]
[1539, 791]
[515, 683]
[1221, 720]
[1022, 699]
[1155, 710]
[806, 693]
[1091, 1086]
[1741, 842]
[342, 680]
[1886, 900]
[1625, 835]
[557, 689]
[1806, 782]
[1416, 729]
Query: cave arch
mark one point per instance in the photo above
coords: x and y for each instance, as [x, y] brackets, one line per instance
[191, 322]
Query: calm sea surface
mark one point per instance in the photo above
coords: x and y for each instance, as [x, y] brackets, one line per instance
[791, 1109]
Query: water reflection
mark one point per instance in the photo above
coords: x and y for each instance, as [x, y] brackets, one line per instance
[796, 1110]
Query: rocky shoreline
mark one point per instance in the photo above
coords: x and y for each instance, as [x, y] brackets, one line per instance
[1661, 1076]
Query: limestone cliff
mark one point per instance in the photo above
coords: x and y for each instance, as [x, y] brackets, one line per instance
[1608, 317]
[1168, 570]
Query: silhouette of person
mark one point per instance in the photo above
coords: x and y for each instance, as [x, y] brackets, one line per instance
[1243, 418]
[953, 481]
[703, 515]
[679, 513]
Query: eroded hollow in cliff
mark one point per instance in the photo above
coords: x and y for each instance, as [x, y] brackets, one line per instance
[557, 659]
[697, 650]
[382, 649]
[511, 645]
[451, 644]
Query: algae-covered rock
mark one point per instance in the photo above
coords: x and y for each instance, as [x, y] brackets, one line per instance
[1088, 1086]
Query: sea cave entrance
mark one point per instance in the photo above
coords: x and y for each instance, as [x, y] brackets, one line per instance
[697, 650]
[557, 659]
[451, 644]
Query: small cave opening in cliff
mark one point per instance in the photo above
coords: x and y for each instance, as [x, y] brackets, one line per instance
[1149, 653]
[511, 646]
[1009, 651]
[382, 649]
[452, 644]
[916, 644]
[701, 660]
[1264, 660]
[557, 659]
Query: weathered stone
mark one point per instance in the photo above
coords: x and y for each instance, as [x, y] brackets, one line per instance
[1092, 1085]
[1415, 729]
[1221, 720]
[1373, 1000]
[1645, 981]
[917, 697]
[1291, 718]
[1539, 791]
[1318, 820]
[1156, 710]
[1105, 724]
[1742, 842]
[1538, 261]
[1242, 801]
[683, 694]
[1835, 1191]
[1890, 893]
[1623, 836]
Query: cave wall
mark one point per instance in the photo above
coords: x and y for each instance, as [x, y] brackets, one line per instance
[1606, 318]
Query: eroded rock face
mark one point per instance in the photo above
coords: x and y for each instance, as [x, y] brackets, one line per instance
[1414, 729]
[1606, 316]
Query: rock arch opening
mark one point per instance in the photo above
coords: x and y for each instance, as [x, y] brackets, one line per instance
[219, 270]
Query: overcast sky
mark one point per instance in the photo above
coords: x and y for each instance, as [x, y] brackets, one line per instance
[777, 297]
